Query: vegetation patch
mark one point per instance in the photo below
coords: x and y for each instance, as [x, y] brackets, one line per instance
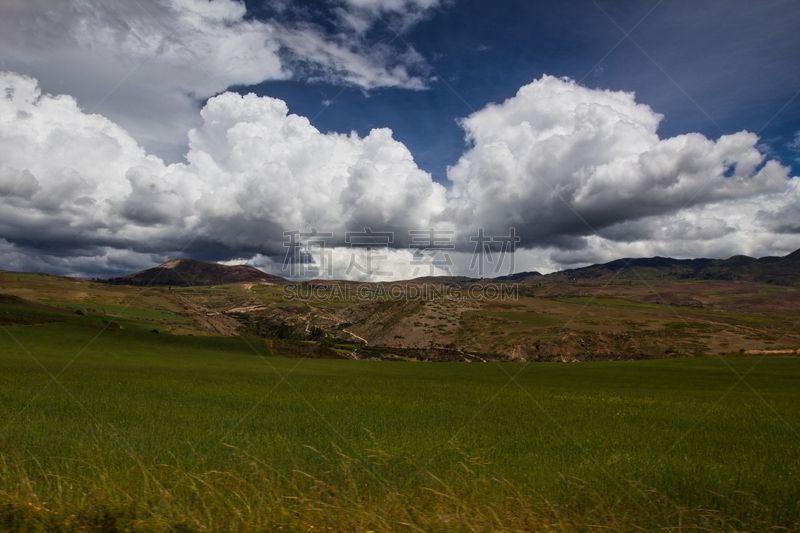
[528, 319]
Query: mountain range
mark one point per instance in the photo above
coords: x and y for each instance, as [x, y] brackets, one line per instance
[773, 270]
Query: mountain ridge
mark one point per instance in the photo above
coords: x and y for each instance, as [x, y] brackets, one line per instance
[192, 272]
[777, 270]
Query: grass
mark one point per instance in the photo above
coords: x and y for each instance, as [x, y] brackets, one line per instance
[613, 303]
[525, 320]
[125, 311]
[147, 432]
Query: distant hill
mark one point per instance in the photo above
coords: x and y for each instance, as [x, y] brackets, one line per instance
[185, 272]
[453, 281]
[518, 276]
[774, 270]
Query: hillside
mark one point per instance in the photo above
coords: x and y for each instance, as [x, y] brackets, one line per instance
[771, 270]
[190, 272]
[625, 309]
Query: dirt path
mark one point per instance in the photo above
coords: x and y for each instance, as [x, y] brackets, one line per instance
[365, 341]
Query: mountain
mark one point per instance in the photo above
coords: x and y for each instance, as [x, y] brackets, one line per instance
[775, 270]
[518, 276]
[183, 272]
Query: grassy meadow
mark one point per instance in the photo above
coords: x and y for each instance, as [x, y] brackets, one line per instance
[123, 429]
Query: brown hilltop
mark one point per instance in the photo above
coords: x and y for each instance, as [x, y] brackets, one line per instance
[183, 272]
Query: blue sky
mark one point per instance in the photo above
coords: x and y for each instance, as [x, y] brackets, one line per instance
[135, 132]
[710, 67]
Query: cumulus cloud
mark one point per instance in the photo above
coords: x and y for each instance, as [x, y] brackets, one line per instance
[582, 175]
[718, 230]
[258, 169]
[562, 162]
[146, 65]
[80, 184]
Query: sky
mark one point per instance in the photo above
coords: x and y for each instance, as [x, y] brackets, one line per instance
[275, 132]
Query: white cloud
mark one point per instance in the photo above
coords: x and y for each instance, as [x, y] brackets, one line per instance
[361, 15]
[253, 171]
[347, 263]
[146, 64]
[581, 174]
[354, 62]
[562, 162]
[757, 226]
[252, 163]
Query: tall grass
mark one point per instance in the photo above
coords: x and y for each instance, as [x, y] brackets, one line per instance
[351, 495]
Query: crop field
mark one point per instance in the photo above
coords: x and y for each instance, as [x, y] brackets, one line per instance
[116, 429]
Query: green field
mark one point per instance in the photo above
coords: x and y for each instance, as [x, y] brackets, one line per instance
[152, 432]
[126, 311]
